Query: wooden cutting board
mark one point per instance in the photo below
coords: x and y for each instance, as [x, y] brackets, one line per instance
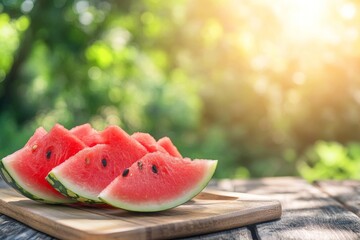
[210, 211]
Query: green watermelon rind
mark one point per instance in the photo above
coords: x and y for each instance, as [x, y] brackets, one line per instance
[58, 184]
[106, 198]
[7, 177]
[11, 182]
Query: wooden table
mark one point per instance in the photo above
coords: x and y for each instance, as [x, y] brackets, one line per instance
[323, 210]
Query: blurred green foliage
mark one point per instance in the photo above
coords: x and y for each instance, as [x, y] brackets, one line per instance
[331, 160]
[268, 88]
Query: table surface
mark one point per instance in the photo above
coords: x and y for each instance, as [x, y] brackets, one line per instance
[323, 210]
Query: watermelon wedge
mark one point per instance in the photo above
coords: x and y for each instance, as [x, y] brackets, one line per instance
[169, 147]
[148, 142]
[158, 182]
[38, 134]
[87, 134]
[84, 175]
[164, 144]
[26, 169]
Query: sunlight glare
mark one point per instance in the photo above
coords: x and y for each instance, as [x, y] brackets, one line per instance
[348, 11]
[303, 19]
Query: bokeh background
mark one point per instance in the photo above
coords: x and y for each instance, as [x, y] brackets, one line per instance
[267, 87]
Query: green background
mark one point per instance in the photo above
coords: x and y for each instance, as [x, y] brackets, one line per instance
[268, 88]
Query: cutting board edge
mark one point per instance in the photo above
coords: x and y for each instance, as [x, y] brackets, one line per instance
[274, 208]
[38, 223]
[43, 224]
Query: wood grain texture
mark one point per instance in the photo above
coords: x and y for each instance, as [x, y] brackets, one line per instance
[347, 192]
[11, 229]
[308, 213]
[208, 212]
[243, 233]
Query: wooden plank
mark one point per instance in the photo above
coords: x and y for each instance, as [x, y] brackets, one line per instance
[347, 192]
[233, 234]
[11, 229]
[308, 213]
[208, 212]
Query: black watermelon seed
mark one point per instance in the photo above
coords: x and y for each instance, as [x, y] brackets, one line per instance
[48, 154]
[125, 172]
[154, 169]
[104, 162]
[87, 161]
[140, 164]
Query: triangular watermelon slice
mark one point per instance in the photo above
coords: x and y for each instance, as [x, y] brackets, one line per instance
[87, 134]
[167, 144]
[85, 175]
[26, 169]
[158, 182]
[148, 142]
[163, 145]
[38, 134]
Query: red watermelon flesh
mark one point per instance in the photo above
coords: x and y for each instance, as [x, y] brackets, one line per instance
[86, 174]
[158, 182]
[167, 144]
[148, 142]
[87, 134]
[38, 134]
[29, 166]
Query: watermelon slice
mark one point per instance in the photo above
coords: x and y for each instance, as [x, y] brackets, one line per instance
[26, 169]
[148, 142]
[38, 134]
[167, 144]
[85, 175]
[87, 134]
[158, 182]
